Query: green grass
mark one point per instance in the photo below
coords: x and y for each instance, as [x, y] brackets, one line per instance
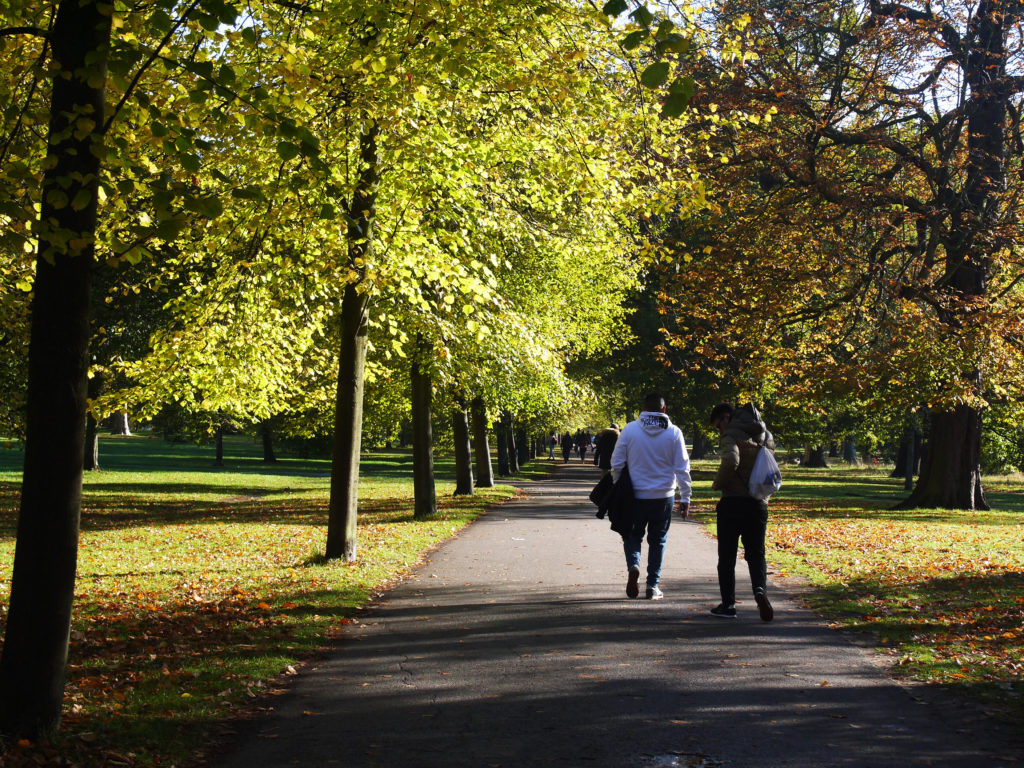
[941, 591]
[198, 586]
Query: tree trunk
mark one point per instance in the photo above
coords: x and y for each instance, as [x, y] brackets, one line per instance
[510, 441]
[701, 445]
[463, 451]
[267, 435]
[908, 479]
[348, 407]
[34, 660]
[424, 493]
[908, 459]
[522, 446]
[219, 442]
[92, 432]
[850, 450]
[502, 445]
[815, 458]
[121, 424]
[501, 437]
[484, 472]
[951, 471]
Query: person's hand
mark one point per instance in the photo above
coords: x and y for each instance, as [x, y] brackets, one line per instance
[684, 509]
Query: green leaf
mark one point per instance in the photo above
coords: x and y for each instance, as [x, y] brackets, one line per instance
[664, 29]
[247, 193]
[680, 93]
[81, 200]
[642, 16]
[287, 150]
[633, 39]
[655, 74]
[191, 163]
[614, 7]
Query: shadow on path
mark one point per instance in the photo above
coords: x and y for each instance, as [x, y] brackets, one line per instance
[515, 645]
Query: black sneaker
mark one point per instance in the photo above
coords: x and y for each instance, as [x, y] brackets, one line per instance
[724, 611]
[633, 584]
[763, 606]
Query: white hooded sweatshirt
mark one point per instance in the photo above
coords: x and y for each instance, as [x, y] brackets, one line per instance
[653, 448]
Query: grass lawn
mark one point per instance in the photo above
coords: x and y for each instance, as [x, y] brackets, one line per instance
[941, 591]
[198, 586]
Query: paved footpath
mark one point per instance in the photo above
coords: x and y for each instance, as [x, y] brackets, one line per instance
[515, 645]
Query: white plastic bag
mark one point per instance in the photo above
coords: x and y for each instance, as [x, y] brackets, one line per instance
[766, 478]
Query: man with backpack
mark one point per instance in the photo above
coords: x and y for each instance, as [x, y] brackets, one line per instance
[740, 514]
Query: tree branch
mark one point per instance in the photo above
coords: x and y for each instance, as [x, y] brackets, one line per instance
[13, 31]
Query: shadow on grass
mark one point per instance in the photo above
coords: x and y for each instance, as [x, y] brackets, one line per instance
[104, 512]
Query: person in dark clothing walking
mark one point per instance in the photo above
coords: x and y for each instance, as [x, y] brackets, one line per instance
[605, 445]
[566, 447]
[740, 516]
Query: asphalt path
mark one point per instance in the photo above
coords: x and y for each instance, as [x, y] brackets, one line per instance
[515, 645]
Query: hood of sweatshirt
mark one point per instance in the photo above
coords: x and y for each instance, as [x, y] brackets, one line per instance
[746, 424]
[653, 423]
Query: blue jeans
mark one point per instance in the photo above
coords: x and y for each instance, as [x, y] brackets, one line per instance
[654, 516]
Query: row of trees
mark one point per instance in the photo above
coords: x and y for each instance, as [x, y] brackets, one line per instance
[288, 209]
[331, 213]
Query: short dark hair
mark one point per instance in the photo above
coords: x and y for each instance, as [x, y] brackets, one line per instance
[720, 410]
[654, 401]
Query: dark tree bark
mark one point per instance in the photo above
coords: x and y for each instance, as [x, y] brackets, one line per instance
[510, 442]
[219, 443]
[954, 450]
[424, 492]
[850, 450]
[910, 454]
[911, 459]
[482, 451]
[701, 445]
[348, 403]
[34, 660]
[815, 457]
[267, 436]
[522, 446]
[92, 432]
[92, 444]
[463, 451]
[513, 452]
[501, 439]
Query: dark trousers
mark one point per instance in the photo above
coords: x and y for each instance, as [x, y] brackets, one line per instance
[739, 518]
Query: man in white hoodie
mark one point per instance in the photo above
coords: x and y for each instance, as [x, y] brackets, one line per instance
[653, 449]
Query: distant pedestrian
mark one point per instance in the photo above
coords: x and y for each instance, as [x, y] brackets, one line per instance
[552, 442]
[740, 516]
[653, 449]
[566, 441]
[583, 442]
[604, 445]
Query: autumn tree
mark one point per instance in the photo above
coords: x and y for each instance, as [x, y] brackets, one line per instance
[865, 213]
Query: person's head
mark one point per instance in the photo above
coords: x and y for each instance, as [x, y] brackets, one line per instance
[721, 415]
[654, 402]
